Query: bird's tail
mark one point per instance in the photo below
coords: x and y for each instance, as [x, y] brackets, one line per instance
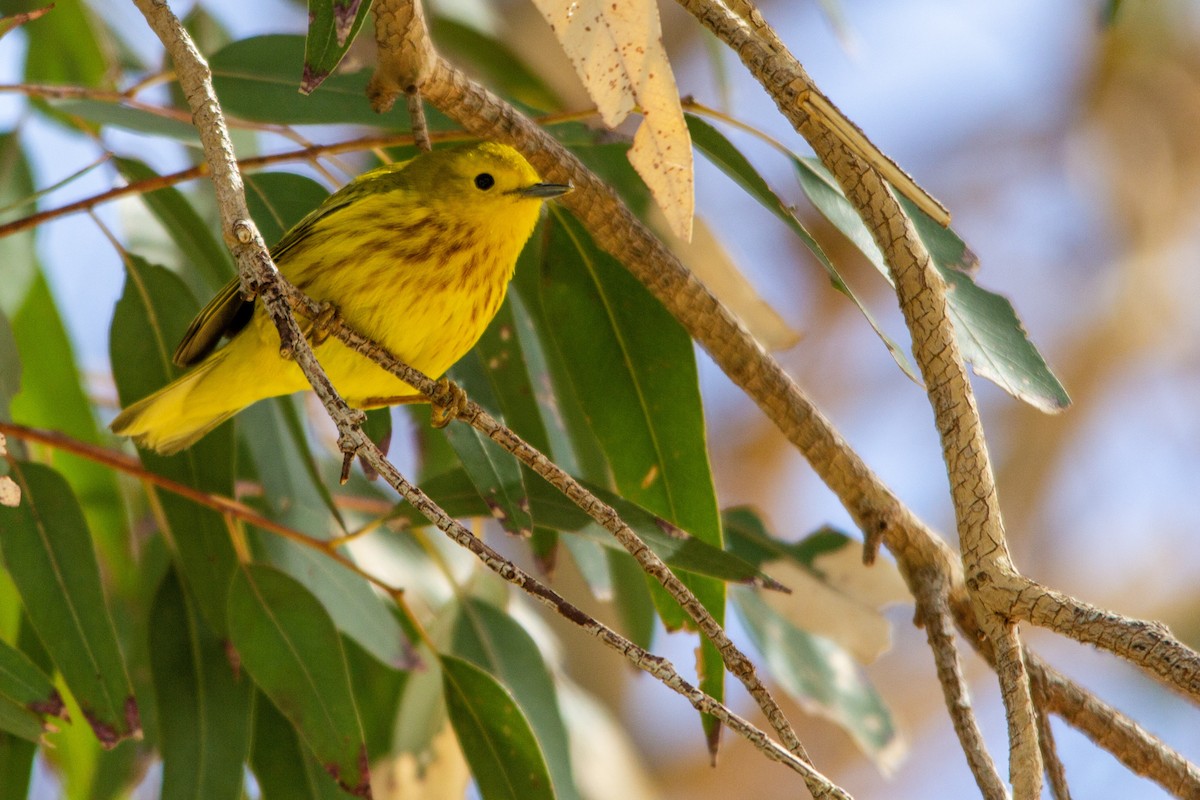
[181, 412]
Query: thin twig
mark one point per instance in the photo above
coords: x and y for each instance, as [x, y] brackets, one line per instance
[933, 614]
[1056, 773]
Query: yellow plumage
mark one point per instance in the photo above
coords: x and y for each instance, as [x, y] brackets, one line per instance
[416, 256]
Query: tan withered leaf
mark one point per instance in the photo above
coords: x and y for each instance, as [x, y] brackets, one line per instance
[617, 51]
[706, 258]
[844, 604]
[10, 493]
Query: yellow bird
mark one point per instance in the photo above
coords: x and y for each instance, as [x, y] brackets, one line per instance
[416, 256]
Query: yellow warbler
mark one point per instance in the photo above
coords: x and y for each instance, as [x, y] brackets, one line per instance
[416, 256]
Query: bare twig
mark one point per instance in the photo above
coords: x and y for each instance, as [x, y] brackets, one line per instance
[1056, 773]
[933, 614]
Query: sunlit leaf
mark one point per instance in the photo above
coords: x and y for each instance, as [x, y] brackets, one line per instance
[833, 593]
[59, 582]
[729, 159]
[822, 678]
[986, 326]
[494, 735]
[634, 374]
[287, 642]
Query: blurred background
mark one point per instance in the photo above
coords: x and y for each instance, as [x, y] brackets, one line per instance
[1068, 151]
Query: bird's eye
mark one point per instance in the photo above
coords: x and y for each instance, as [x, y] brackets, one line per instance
[484, 181]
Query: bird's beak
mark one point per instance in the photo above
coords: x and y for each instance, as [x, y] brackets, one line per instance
[545, 191]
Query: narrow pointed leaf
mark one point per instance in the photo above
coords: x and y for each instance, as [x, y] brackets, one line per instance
[282, 765]
[204, 724]
[987, 328]
[332, 26]
[287, 642]
[496, 474]
[454, 493]
[52, 396]
[16, 720]
[495, 642]
[729, 159]
[151, 316]
[822, 677]
[48, 550]
[192, 235]
[22, 682]
[634, 372]
[257, 79]
[278, 200]
[494, 735]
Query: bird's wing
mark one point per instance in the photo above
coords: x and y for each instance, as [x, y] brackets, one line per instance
[226, 313]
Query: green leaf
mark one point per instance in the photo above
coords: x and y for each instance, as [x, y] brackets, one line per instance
[494, 735]
[52, 397]
[332, 26]
[748, 537]
[192, 235]
[64, 46]
[284, 769]
[634, 373]
[10, 366]
[377, 691]
[454, 492]
[16, 720]
[17, 251]
[137, 120]
[150, 318]
[48, 550]
[16, 766]
[820, 676]
[16, 755]
[22, 682]
[496, 473]
[257, 80]
[204, 719]
[729, 159]
[986, 326]
[503, 69]
[287, 642]
[495, 642]
[512, 377]
[278, 200]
